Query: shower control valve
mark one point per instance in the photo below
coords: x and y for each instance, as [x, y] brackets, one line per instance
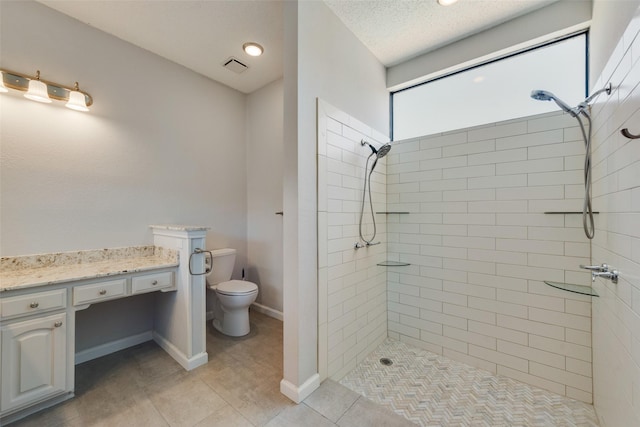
[600, 268]
[611, 275]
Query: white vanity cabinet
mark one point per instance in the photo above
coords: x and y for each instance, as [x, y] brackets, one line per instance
[33, 344]
[40, 296]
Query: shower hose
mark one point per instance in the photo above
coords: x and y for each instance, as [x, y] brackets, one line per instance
[367, 186]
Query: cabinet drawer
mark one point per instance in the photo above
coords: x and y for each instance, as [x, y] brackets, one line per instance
[33, 303]
[151, 282]
[101, 291]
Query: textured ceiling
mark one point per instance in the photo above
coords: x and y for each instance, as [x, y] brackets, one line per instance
[397, 30]
[203, 34]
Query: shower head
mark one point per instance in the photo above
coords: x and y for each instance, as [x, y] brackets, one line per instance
[383, 151]
[543, 95]
[380, 152]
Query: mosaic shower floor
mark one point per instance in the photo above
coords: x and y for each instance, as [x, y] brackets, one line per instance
[432, 390]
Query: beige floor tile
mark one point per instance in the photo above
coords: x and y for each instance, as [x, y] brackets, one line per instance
[156, 365]
[142, 413]
[331, 400]
[186, 402]
[101, 402]
[260, 405]
[299, 415]
[225, 417]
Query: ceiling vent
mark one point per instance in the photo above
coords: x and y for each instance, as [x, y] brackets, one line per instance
[234, 65]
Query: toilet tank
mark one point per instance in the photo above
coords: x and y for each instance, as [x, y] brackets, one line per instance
[223, 261]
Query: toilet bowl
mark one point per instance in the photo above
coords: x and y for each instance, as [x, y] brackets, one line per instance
[232, 298]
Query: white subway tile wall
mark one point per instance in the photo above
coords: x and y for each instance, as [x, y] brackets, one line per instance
[352, 287]
[480, 245]
[616, 192]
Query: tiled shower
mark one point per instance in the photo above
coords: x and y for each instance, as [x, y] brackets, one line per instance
[483, 216]
[466, 211]
[486, 225]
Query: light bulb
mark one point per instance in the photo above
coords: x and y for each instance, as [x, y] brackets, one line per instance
[77, 101]
[3, 88]
[253, 49]
[38, 90]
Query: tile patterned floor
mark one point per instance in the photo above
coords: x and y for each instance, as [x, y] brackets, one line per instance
[432, 390]
[239, 387]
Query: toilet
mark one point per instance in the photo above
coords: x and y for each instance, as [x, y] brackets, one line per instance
[232, 297]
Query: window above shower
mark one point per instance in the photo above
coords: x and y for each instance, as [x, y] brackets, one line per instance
[493, 92]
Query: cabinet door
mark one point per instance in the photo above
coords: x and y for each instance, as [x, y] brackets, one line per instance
[33, 360]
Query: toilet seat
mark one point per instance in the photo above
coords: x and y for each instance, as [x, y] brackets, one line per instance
[235, 287]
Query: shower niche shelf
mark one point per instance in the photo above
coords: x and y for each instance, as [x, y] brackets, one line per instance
[576, 289]
[567, 213]
[393, 264]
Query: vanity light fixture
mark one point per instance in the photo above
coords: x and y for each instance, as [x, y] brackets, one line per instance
[37, 90]
[44, 91]
[253, 49]
[446, 2]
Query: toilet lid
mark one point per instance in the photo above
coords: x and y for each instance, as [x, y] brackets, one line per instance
[236, 287]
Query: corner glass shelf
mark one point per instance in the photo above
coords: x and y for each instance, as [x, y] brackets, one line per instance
[393, 264]
[577, 289]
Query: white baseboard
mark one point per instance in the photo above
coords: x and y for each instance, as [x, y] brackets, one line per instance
[112, 347]
[268, 311]
[187, 363]
[298, 394]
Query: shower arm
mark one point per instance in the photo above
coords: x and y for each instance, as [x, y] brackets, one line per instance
[583, 107]
[606, 89]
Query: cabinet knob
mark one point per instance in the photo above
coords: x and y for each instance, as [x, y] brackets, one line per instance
[103, 292]
[155, 282]
[34, 305]
[58, 324]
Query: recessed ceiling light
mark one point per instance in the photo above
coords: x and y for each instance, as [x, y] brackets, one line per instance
[446, 2]
[253, 49]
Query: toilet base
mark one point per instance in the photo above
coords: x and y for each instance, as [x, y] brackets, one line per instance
[234, 324]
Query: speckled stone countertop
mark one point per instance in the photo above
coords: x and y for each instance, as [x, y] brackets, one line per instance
[47, 269]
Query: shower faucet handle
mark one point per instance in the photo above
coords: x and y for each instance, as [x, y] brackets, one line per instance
[600, 268]
[611, 275]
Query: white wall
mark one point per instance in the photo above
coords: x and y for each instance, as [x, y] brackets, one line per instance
[264, 192]
[609, 21]
[352, 288]
[480, 246]
[616, 192]
[160, 145]
[325, 61]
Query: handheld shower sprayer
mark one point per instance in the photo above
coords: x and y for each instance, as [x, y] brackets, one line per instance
[378, 153]
[543, 95]
[580, 109]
